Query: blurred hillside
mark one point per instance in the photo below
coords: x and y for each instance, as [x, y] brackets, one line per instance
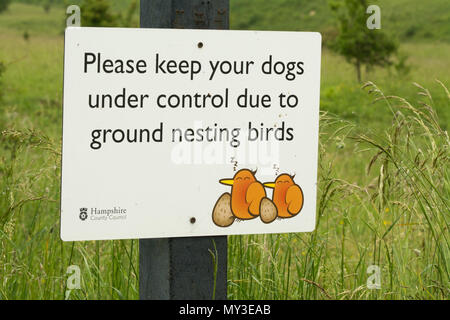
[405, 19]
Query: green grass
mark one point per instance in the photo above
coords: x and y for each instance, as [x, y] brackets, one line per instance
[398, 219]
[384, 183]
[20, 18]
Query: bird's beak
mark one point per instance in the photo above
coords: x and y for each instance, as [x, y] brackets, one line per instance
[269, 184]
[228, 182]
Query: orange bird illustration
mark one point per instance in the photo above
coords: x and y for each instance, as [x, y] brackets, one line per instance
[247, 201]
[287, 196]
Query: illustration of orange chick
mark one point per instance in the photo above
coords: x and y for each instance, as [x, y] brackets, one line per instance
[287, 196]
[247, 201]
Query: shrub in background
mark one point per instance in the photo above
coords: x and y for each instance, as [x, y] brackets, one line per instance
[97, 13]
[4, 5]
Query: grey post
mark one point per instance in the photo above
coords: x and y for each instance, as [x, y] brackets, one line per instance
[183, 268]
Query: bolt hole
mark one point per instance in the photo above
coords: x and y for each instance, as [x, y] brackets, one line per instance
[193, 220]
[200, 45]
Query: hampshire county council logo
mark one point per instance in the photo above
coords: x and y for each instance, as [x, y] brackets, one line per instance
[83, 214]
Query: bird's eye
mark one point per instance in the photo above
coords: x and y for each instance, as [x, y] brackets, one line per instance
[247, 178]
[238, 178]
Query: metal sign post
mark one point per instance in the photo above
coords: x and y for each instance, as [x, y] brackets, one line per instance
[183, 268]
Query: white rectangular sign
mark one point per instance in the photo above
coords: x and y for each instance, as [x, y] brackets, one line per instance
[171, 133]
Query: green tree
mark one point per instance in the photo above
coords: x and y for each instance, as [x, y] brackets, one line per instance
[356, 42]
[97, 13]
[4, 5]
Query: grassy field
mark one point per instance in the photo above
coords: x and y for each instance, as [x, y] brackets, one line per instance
[404, 19]
[384, 178]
